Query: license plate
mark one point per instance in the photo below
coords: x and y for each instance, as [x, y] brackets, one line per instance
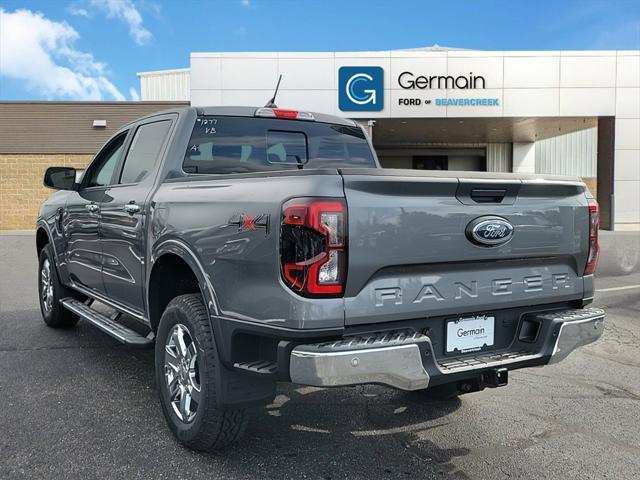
[470, 334]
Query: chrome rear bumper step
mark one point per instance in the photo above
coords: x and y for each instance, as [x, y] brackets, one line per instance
[392, 359]
[118, 331]
[577, 328]
[461, 364]
[406, 360]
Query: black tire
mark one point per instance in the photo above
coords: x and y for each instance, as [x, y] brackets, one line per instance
[53, 313]
[211, 427]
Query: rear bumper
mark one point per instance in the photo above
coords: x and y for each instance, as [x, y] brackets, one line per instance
[390, 359]
[406, 360]
[576, 332]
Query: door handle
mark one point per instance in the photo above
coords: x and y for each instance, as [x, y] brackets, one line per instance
[92, 207]
[131, 208]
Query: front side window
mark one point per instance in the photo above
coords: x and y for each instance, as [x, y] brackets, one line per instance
[101, 170]
[247, 144]
[144, 151]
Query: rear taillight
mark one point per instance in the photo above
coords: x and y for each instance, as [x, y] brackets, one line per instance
[594, 246]
[313, 246]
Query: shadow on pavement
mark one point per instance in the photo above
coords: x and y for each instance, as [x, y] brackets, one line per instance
[103, 398]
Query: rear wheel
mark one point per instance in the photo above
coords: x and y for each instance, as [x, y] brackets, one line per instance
[51, 291]
[187, 367]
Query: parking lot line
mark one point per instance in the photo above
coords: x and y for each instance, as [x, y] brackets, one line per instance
[614, 289]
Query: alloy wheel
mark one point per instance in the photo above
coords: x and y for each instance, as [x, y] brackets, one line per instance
[182, 374]
[46, 286]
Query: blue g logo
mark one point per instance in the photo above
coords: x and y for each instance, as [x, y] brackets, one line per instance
[360, 89]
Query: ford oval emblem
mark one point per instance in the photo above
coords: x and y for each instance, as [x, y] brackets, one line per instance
[489, 231]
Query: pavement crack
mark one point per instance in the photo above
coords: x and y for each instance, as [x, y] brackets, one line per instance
[563, 428]
[609, 359]
[613, 390]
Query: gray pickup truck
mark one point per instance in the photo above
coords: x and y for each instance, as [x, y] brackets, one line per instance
[257, 245]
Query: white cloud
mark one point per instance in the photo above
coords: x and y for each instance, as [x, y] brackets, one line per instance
[78, 12]
[127, 12]
[246, 3]
[133, 93]
[41, 52]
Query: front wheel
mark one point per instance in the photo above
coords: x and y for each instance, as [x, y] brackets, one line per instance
[187, 366]
[51, 291]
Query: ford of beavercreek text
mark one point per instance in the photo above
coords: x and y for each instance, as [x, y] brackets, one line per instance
[250, 246]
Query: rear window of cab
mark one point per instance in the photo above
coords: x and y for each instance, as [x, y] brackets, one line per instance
[220, 144]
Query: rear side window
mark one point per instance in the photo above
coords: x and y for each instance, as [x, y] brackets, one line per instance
[247, 144]
[144, 151]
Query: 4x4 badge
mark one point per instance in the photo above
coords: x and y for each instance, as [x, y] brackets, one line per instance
[247, 222]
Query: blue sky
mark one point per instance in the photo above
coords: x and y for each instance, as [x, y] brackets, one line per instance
[92, 49]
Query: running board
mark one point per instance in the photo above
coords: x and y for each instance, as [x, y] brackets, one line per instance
[107, 325]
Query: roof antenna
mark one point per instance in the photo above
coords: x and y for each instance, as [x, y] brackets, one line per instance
[272, 103]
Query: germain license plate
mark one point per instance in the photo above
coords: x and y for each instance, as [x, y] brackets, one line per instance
[470, 334]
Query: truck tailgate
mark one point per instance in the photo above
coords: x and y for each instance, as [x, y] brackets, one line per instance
[409, 255]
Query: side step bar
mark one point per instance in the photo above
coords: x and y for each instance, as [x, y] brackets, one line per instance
[107, 325]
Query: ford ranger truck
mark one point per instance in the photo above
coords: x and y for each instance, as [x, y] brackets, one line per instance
[256, 245]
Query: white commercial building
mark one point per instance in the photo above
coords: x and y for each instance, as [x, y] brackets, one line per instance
[558, 112]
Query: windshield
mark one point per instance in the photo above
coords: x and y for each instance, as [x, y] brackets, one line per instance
[221, 144]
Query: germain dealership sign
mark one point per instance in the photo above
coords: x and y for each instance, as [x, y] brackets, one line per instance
[361, 89]
[408, 80]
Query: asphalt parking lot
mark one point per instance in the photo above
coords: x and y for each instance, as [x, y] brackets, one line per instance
[76, 404]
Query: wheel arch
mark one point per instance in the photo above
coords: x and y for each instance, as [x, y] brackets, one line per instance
[186, 276]
[234, 389]
[42, 238]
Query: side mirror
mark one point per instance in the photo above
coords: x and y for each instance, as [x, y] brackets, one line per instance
[60, 178]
